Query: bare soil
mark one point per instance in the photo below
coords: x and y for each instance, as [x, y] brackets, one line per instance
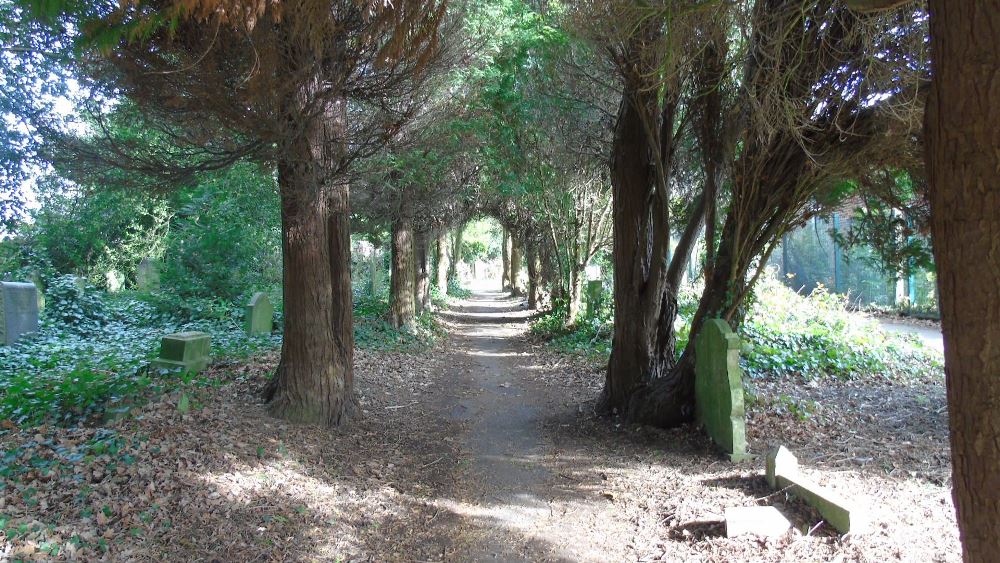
[485, 448]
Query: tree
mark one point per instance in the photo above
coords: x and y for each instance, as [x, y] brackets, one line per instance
[963, 135]
[833, 96]
[307, 87]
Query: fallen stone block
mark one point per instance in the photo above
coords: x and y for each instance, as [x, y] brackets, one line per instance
[783, 473]
[763, 521]
[187, 351]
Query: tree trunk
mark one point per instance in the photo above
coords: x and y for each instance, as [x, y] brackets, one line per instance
[645, 305]
[402, 306]
[314, 382]
[963, 140]
[456, 253]
[533, 267]
[374, 271]
[505, 257]
[443, 263]
[575, 294]
[422, 281]
[516, 287]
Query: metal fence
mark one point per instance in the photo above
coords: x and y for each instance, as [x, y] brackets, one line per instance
[810, 257]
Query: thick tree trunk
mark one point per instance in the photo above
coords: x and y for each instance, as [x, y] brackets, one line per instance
[963, 160]
[402, 305]
[643, 344]
[314, 382]
[516, 287]
[442, 263]
[422, 280]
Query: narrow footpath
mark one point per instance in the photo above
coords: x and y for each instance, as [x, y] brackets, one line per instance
[523, 507]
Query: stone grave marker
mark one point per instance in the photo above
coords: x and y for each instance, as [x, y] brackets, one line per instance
[18, 311]
[719, 388]
[783, 473]
[259, 315]
[188, 351]
[147, 275]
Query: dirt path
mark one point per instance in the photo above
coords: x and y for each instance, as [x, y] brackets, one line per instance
[484, 448]
[510, 485]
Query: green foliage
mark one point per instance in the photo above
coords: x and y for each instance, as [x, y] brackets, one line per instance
[87, 232]
[785, 334]
[373, 332]
[225, 240]
[456, 290]
[71, 303]
[814, 336]
[65, 375]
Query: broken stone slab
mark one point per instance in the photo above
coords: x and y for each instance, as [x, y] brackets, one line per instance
[763, 521]
[783, 473]
[18, 311]
[259, 315]
[187, 351]
[719, 388]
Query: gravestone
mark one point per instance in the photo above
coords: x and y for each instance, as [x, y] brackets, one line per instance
[188, 351]
[594, 290]
[782, 473]
[719, 388]
[114, 280]
[259, 315]
[18, 311]
[147, 275]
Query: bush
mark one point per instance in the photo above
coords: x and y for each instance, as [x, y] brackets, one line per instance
[73, 304]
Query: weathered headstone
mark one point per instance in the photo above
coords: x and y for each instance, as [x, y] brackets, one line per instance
[188, 351]
[782, 472]
[259, 315]
[18, 311]
[114, 281]
[719, 387]
[147, 275]
[763, 521]
[594, 290]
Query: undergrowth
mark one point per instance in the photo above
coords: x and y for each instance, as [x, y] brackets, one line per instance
[90, 357]
[785, 334]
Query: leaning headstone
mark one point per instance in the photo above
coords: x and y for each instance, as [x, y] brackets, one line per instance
[18, 311]
[148, 275]
[188, 351]
[719, 387]
[259, 315]
[763, 521]
[783, 473]
[114, 281]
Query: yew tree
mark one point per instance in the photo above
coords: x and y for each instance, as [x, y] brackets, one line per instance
[963, 162]
[784, 100]
[304, 86]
